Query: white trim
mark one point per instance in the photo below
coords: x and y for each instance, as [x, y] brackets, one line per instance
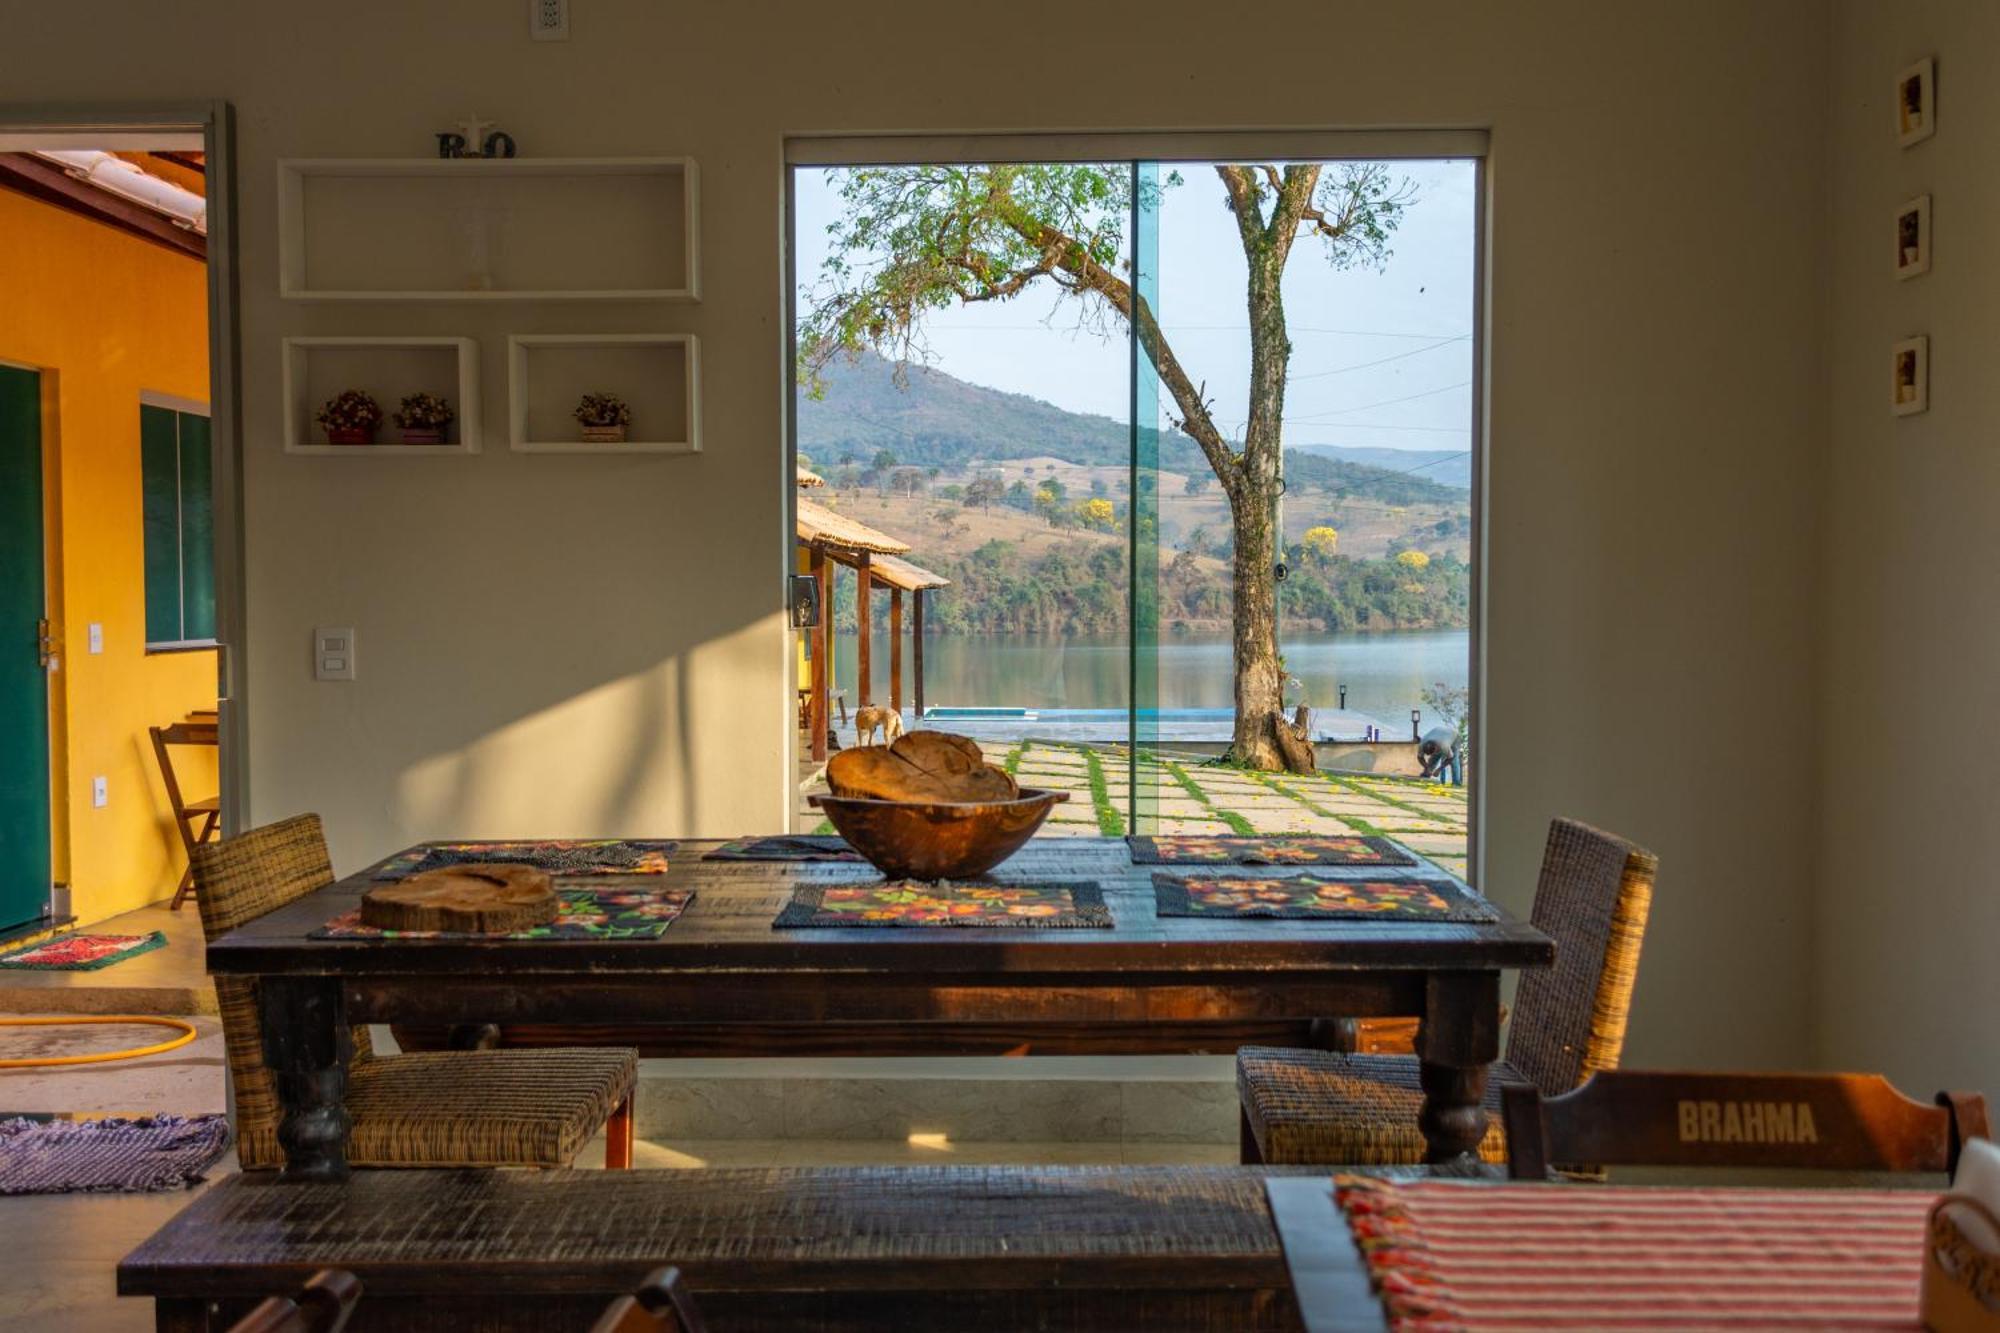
[193, 407]
[1161, 146]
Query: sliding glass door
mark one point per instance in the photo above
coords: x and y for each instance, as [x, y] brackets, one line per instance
[1170, 448]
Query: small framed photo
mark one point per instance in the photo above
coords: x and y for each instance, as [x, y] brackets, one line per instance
[1911, 376]
[1913, 237]
[1916, 102]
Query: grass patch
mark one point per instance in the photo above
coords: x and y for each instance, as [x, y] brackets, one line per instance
[1374, 794]
[1012, 763]
[1237, 823]
[825, 827]
[1109, 822]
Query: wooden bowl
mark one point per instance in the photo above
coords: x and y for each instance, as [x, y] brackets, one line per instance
[938, 840]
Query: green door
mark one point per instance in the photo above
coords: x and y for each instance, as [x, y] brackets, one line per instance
[24, 685]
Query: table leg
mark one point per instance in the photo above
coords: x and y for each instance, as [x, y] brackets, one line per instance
[307, 1047]
[1457, 1039]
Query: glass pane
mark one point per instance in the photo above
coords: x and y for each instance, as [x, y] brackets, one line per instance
[1314, 507]
[197, 529]
[159, 464]
[964, 391]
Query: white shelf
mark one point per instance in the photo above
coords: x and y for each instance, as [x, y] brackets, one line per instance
[657, 374]
[387, 369]
[489, 229]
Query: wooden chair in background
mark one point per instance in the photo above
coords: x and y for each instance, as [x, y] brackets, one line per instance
[322, 1305]
[1835, 1122]
[661, 1305]
[196, 821]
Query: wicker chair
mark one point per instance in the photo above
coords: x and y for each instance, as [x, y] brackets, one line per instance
[447, 1108]
[1303, 1106]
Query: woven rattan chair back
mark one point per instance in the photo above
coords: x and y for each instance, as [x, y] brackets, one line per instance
[238, 880]
[1569, 1020]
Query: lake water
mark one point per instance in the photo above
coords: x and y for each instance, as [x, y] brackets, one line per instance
[1385, 674]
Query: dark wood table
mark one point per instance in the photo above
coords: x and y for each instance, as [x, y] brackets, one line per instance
[826, 1248]
[722, 963]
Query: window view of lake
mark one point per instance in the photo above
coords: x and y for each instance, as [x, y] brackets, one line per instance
[1385, 674]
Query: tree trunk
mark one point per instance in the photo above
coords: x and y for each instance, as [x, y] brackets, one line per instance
[1253, 626]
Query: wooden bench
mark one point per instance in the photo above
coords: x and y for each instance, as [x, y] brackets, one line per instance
[827, 1248]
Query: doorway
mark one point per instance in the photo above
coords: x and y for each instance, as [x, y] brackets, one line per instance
[118, 439]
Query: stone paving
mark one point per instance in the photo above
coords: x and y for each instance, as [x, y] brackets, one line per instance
[1182, 794]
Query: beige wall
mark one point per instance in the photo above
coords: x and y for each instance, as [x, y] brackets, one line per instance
[591, 645]
[1908, 917]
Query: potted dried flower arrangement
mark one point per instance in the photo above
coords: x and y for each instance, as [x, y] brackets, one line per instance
[423, 418]
[604, 417]
[350, 417]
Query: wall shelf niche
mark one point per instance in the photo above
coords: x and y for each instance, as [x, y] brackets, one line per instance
[657, 374]
[489, 229]
[388, 369]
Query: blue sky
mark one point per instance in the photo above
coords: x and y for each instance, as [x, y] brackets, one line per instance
[1380, 359]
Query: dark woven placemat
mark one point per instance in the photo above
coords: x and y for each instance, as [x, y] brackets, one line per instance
[1304, 849]
[791, 847]
[585, 914]
[1312, 898]
[558, 856]
[1067, 903]
[116, 1156]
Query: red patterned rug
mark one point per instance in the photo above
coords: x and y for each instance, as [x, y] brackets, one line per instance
[82, 953]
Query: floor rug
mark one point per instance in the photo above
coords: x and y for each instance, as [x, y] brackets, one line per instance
[1005, 906]
[1308, 897]
[82, 953]
[585, 914]
[558, 856]
[1338, 850]
[108, 1156]
[794, 847]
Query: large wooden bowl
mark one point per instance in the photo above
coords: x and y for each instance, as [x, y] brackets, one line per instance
[942, 840]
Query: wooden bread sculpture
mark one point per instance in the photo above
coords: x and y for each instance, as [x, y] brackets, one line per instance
[929, 767]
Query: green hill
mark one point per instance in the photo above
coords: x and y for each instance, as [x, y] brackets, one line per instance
[938, 420]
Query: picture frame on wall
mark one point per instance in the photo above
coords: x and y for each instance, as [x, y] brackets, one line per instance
[1913, 237]
[1916, 102]
[1910, 376]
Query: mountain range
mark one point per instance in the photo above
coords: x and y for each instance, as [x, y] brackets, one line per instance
[938, 420]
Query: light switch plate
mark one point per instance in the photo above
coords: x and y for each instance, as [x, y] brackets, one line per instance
[96, 637]
[333, 653]
[100, 792]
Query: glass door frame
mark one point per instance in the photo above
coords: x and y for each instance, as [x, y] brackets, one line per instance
[1141, 149]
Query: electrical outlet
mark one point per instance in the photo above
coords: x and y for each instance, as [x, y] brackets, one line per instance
[548, 20]
[96, 637]
[100, 792]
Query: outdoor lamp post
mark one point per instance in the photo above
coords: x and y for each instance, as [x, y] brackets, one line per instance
[1416, 721]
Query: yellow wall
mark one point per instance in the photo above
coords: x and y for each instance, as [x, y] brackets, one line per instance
[106, 316]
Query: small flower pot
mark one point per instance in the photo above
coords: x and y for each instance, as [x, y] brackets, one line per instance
[604, 434]
[423, 435]
[358, 435]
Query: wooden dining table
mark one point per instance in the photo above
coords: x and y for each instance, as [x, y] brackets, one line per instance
[722, 964]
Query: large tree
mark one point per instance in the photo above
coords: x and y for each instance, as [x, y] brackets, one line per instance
[911, 240]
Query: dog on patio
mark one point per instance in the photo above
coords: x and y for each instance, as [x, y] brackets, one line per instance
[872, 719]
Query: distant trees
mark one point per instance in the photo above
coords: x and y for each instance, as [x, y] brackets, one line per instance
[985, 491]
[1322, 541]
[1098, 514]
[1197, 482]
[885, 459]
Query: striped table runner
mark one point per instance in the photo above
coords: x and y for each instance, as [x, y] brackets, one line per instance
[1448, 1255]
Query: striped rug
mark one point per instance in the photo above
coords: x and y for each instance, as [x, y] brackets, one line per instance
[1448, 1255]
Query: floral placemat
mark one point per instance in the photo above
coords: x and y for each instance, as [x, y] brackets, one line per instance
[1309, 897]
[1204, 849]
[558, 856]
[794, 847]
[585, 914]
[1066, 904]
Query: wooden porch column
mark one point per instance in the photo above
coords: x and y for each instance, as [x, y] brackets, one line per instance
[896, 649]
[864, 593]
[917, 652]
[816, 711]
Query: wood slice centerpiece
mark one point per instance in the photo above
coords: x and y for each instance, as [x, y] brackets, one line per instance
[467, 899]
